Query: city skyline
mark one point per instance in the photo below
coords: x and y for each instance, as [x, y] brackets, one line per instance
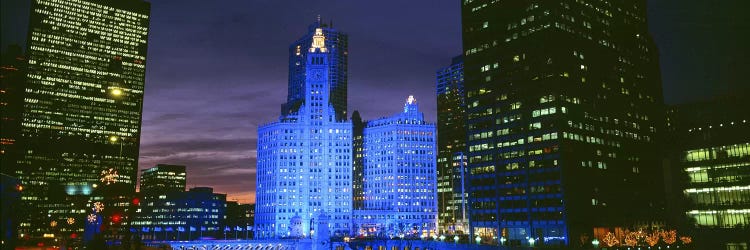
[207, 121]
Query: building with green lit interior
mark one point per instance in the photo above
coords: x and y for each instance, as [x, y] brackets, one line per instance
[81, 113]
[710, 144]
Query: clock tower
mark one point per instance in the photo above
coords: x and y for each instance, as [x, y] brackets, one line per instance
[317, 82]
[304, 160]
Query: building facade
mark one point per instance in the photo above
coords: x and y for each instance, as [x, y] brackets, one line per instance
[182, 215]
[358, 161]
[163, 178]
[400, 176]
[240, 217]
[451, 147]
[338, 43]
[711, 145]
[81, 114]
[12, 81]
[304, 160]
[564, 103]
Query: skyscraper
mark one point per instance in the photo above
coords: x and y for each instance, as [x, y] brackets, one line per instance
[451, 160]
[338, 43]
[163, 178]
[563, 104]
[82, 107]
[399, 175]
[305, 159]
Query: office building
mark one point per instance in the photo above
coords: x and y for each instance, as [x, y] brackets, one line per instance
[451, 160]
[304, 161]
[338, 43]
[358, 161]
[182, 215]
[400, 176]
[81, 114]
[240, 218]
[163, 178]
[710, 144]
[12, 79]
[564, 106]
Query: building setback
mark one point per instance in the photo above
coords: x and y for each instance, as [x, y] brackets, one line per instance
[710, 145]
[305, 159]
[451, 160]
[81, 113]
[399, 176]
[564, 104]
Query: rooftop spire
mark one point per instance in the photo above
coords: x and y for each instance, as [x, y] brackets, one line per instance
[410, 105]
[319, 41]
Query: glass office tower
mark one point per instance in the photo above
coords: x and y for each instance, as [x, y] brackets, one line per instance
[82, 105]
[451, 125]
[563, 103]
[163, 178]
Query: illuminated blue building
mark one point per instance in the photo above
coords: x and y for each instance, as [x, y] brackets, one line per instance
[400, 176]
[304, 160]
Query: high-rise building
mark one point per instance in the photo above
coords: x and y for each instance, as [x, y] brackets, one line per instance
[563, 104]
[305, 159]
[338, 43]
[451, 160]
[710, 145]
[400, 176]
[358, 161]
[163, 178]
[81, 113]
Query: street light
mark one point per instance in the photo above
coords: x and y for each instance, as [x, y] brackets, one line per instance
[478, 239]
[595, 242]
[116, 92]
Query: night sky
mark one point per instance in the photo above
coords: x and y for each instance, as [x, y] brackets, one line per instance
[218, 69]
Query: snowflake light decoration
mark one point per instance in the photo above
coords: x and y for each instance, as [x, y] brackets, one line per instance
[109, 176]
[53, 224]
[98, 207]
[91, 218]
[71, 221]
